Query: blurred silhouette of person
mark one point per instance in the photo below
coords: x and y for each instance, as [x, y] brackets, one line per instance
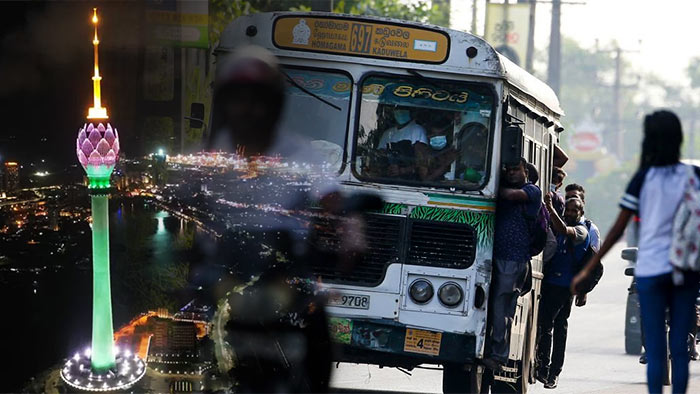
[277, 325]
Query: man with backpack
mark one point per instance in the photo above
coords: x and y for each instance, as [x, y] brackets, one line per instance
[573, 250]
[517, 213]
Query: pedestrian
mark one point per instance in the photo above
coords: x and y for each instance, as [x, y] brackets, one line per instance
[558, 176]
[576, 190]
[654, 193]
[573, 241]
[533, 176]
[518, 200]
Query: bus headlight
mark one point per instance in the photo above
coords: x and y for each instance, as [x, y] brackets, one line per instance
[450, 294]
[421, 291]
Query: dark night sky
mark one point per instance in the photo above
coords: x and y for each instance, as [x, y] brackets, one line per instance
[45, 70]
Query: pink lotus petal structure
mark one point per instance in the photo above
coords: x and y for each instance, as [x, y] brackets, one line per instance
[98, 149]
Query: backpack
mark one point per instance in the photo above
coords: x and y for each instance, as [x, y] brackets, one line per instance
[685, 241]
[537, 229]
[592, 281]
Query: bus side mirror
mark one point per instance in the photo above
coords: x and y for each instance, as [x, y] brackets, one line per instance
[196, 117]
[511, 145]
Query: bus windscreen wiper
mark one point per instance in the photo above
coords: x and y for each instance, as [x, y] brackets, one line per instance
[303, 89]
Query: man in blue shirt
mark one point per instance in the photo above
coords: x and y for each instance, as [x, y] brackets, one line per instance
[517, 201]
[573, 241]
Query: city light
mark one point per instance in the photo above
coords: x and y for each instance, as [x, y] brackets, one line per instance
[110, 380]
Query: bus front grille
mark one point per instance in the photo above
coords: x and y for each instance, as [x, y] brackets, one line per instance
[383, 235]
[441, 244]
[392, 239]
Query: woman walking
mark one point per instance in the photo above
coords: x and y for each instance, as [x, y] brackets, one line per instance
[654, 194]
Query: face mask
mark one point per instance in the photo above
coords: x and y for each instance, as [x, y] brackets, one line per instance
[552, 187]
[402, 116]
[438, 142]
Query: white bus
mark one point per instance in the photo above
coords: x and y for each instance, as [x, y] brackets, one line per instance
[424, 116]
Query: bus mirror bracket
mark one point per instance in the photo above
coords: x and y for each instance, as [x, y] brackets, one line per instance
[196, 117]
[511, 144]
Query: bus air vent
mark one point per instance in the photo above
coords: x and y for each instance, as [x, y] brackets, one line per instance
[441, 244]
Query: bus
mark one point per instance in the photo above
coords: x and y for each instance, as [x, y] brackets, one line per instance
[425, 117]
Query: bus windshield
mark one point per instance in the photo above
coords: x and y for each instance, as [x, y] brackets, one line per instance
[418, 132]
[317, 104]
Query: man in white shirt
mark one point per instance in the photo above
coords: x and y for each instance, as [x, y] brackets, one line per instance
[406, 129]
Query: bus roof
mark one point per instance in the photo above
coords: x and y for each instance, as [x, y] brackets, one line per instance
[257, 29]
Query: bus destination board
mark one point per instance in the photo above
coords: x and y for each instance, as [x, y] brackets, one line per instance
[361, 38]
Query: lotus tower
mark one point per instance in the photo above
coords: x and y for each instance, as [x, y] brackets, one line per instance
[102, 366]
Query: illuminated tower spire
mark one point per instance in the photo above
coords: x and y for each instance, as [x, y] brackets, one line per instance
[96, 111]
[102, 366]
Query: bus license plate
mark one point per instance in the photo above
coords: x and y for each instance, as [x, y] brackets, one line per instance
[345, 300]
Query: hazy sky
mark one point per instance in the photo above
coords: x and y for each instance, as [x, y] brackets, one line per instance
[667, 29]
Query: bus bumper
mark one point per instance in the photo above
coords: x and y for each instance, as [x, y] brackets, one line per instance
[392, 344]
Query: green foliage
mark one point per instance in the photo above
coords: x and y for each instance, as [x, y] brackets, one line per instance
[222, 12]
[586, 86]
[603, 193]
[420, 11]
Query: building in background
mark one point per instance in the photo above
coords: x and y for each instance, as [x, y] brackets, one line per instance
[11, 176]
[175, 74]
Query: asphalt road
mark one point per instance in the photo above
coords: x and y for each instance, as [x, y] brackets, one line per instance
[595, 356]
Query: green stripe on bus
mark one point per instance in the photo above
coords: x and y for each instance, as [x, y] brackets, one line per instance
[462, 200]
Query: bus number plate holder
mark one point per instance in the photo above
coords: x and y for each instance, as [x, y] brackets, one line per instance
[422, 341]
[345, 300]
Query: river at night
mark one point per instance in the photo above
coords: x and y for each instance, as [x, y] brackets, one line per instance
[47, 313]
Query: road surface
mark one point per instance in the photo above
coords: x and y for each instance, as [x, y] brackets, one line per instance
[595, 356]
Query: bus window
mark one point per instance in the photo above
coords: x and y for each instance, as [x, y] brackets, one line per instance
[308, 116]
[412, 131]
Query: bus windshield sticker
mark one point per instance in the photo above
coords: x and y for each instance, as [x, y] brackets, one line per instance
[340, 330]
[360, 38]
[402, 93]
[424, 45]
[422, 341]
[328, 86]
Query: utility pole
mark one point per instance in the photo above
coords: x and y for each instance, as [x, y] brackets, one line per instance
[531, 38]
[617, 144]
[474, 12]
[554, 64]
[505, 23]
[617, 110]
